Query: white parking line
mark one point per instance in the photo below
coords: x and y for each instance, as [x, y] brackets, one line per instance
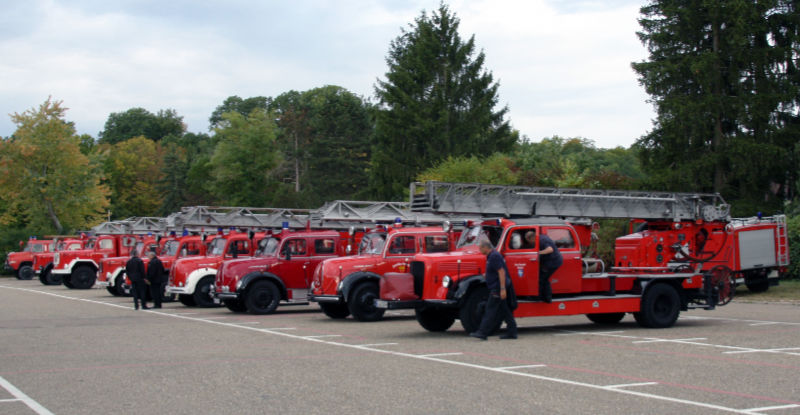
[520, 367]
[670, 340]
[377, 344]
[433, 358]
[766, 351]
[9, 400]
[769, 323]
[38, 408]
[770, 408]
[440, 354]
[629, 385]
[322, 336]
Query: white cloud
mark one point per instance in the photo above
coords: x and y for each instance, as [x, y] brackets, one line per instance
[564, 67]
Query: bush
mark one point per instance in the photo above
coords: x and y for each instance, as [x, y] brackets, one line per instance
[793, 232]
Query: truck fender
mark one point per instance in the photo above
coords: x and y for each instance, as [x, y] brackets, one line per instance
[465, 285]
[675, 283]
[252, 277]
[194, 277]
[78, 262]
[351, 280]
[112, 279]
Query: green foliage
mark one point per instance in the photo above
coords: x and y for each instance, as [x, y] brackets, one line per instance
[437, 101]
[133, 170]
[242, 165]
[46, 183]
[496, 169]
[135, 122]
[185, 176]
[235, 104]
[723, 77]
[793, 232]
[576, 162]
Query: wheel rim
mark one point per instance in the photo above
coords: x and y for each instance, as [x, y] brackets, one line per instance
[27, 273]
[366, 301]
[662, 308]
[263, 299]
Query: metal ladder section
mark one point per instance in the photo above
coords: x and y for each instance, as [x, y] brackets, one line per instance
[209, 218]
[783, 240]
[138, 225]
[343, 213]
[522, 201]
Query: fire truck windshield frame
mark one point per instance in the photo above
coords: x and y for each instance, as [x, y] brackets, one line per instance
[473, 235]
[372, 244]
[267, 246]
[171, 248]
[216, 247]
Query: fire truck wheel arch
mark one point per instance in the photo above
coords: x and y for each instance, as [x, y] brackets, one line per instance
[465, 285]
[46, 277]
[253, 277]
[195, 276]
[352, 280]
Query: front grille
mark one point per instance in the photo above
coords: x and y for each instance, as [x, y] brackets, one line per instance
[418, 271]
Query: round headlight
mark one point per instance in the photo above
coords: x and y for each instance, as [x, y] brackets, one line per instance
[446, 281]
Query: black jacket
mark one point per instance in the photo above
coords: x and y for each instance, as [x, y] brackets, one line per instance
[134, 268]
[155, 271]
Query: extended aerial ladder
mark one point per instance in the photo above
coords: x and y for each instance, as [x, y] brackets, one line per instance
[137, 225]
[523, 201]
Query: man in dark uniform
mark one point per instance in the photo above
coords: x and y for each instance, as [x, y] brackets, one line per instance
[499, 285]
[134, 268]
[155, 276]
[549, 261]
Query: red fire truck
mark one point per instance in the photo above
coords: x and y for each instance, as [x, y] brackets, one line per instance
[280, 271]
[657, 272]
[169, 252]
[192, 278]
[110, 271]
[43, 262]
[349, 285]
[21, 263]
[78, 269]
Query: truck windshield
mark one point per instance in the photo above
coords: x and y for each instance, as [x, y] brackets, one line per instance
[170, 248]
[61, 246]
[139, 249]
[217, 247]
[475, 234]
[372, 244]
[267, 246]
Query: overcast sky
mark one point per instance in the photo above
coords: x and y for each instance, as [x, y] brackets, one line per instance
[563, 65]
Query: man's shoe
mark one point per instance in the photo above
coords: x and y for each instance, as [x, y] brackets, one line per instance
[158, 306]
[508, 336]
[477, 335]
[144, 307]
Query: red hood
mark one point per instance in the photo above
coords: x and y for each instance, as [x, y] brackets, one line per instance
[331, 271]
[181, 268]
[232, 270]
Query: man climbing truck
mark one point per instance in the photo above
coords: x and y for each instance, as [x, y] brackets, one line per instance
[657, 272]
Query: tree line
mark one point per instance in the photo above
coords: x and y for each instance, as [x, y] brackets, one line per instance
[722, 75]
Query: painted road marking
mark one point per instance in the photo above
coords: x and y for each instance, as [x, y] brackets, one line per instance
[440, 354]
[666, 340]
[520, 367]
[629, 385]
[38, 408]
[321, 336]
[754, 350]
[771, 408]
[375, 344]
[451, 362]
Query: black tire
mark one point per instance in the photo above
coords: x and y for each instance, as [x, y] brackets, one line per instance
[435, 319]
[48, 278]
[362, 302]
[757, 286]
[168, 297]
[117, 290]
[471, 311]
[262, 297]
[25, 272]
[661, 305]
[83, 277]
[202, 292]
[66, 280]
[606, 318]
[335, 310]
[186, 300]
[237, 306]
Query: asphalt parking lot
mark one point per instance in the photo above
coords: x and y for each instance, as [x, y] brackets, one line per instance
[76, 352]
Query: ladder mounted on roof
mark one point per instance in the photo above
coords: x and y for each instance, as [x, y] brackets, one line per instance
[137, 225]
[209, 218]
[522, 201]
[343, 213]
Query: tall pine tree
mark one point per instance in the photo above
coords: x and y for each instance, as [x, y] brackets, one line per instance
[719, 81]
[437, 101]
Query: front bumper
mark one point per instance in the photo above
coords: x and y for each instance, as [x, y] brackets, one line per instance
[60, 271]
[397, 304]
[325, 298]
[177, 290]
[6, 267]
[226, 296]
[102, 283]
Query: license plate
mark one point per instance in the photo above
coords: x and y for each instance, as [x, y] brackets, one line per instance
[381, 304]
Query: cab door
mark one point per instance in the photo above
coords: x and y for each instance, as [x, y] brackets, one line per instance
[522, 259]
[568, 277]
[292, 271]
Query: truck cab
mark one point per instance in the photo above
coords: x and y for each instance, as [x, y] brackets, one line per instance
[43, 261]
[349, 285]
[281, 270]
[78, 269]
[110, 271]
[21, 263]
[192, 278]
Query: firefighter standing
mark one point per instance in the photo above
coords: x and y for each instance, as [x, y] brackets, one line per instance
[155, 276]
[499, 285]
[549, 261]
[134, 268]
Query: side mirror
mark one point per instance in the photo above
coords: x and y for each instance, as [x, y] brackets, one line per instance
[349, 249]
